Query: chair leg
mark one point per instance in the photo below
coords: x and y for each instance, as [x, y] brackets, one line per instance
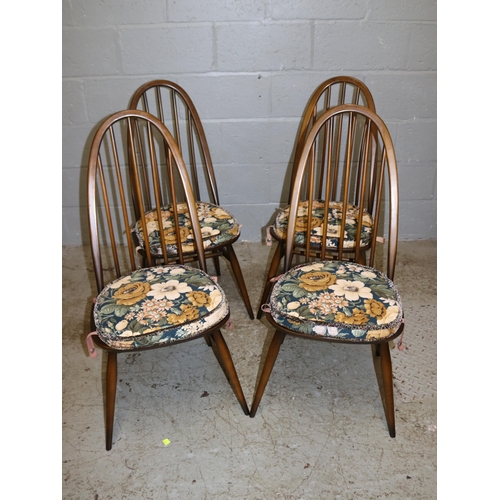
[386, 365]
[235, 265]
[217, 265]
[111, 379]
[224, 357]
[272, 354]
[211, 342]
[273, 269]
[362, 258]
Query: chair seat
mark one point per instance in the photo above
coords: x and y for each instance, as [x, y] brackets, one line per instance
[158, 305]
[334, 218]
[217, 227]
[338, 300]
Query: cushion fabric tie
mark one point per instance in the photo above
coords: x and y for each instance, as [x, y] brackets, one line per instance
[269, 239]
[90, 345]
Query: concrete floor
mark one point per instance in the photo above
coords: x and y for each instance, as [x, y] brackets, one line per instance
[319, 433]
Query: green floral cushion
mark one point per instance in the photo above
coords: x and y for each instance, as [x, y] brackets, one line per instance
[157, 305]
[217, 227]
[337, 299]
[334, 219]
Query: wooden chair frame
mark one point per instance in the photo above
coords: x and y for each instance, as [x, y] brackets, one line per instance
[386, 168]
[322, 99]
[114, 205]
[197, 151]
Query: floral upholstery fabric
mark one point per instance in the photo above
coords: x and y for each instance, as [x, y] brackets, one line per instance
[157, 305]
[333, 229]
[217, 227]
[337, 299]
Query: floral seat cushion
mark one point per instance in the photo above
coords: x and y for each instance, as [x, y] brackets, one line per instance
[333, 227]
[217, 227]
[158, 305]
[337, 299]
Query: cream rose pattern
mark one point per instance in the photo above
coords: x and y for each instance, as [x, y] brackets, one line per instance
[217, 227]
[337, 299]
[158, 305]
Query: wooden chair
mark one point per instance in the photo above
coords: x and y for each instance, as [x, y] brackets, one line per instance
[140, 308]
[332, 92]
[173, 106]
[329, 296]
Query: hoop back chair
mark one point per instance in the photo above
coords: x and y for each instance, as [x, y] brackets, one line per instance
[328, 297]
[172, 105]
[140, 308]
[332, 92]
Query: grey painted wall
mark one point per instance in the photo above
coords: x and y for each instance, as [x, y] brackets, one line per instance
[250, 67]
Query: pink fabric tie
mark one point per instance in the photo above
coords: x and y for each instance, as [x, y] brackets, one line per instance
[90, 345]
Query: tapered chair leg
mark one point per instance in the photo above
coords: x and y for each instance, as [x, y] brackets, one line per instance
[217, 265]
[224, 357]
[230, 254]
[211, 342]
[272, 354]
[273, 269]
[386, 366]
[111, 380]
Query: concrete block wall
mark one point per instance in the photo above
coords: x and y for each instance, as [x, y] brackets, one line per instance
[250, 68]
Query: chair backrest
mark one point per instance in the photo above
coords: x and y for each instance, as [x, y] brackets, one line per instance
[129, 148]
[359, 183]
[171, 104]
[330, 93]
